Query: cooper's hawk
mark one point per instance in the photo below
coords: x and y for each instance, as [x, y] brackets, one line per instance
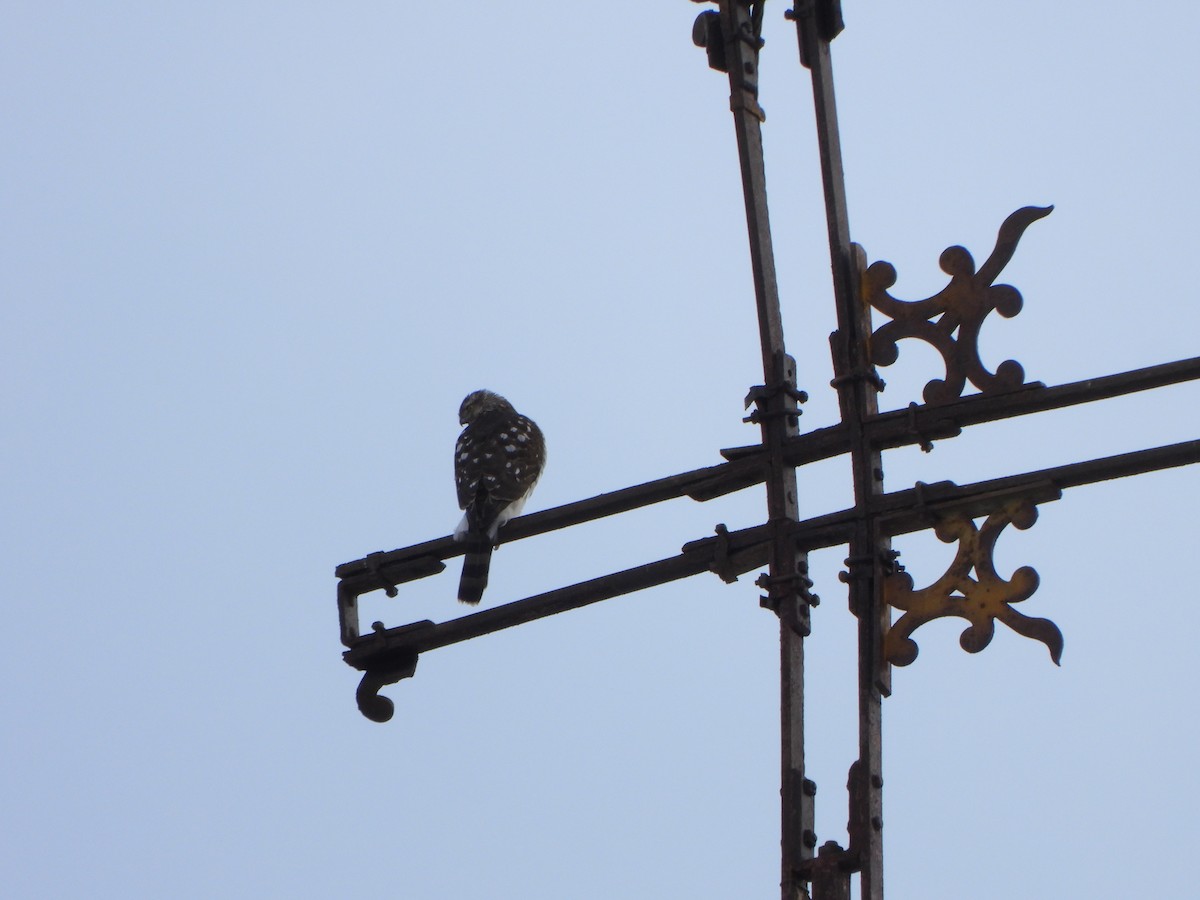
[497, 462]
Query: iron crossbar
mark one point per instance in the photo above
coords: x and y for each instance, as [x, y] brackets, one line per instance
[950, 321]
[737, 552]
[745, 468]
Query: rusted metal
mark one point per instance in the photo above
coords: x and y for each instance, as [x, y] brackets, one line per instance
[858, 385]
[387, 665]
[830, 872]
[899, 512]
[386, 569]
[826, 20]
[386, 651]
[950, 320]
[918, 423]
[393, 567]
[739, 27]
[981, 600]
[744, 550]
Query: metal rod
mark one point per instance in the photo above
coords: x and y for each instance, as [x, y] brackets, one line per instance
[857, 389]
[776, 404]
[907, 426]
[905, 511]
[710, 481]
[536, 607]
[918, 422]
[749, 467]
[900, 512]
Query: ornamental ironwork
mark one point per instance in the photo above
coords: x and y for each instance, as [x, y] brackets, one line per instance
[971, 588]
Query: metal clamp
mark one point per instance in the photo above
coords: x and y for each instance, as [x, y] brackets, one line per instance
[760, 394]
[869, 374]
[376, 569]
[914, 429]
[721, 564]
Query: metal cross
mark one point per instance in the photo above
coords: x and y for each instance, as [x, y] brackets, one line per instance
[970, 588]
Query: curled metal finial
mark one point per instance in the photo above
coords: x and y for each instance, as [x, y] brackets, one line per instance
[951, 319]
[370, 703]
[981, 600]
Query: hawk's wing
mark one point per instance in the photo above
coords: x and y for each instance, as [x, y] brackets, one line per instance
[497, 461]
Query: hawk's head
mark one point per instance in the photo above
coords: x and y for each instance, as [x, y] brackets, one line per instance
[479, 402]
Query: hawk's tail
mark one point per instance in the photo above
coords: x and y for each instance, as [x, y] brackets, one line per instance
[476, 561]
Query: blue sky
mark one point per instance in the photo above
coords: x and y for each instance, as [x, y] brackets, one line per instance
[252, 256]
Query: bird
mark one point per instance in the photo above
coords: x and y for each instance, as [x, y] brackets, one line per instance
[498, 460]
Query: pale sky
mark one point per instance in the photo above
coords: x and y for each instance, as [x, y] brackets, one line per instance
[253, 255]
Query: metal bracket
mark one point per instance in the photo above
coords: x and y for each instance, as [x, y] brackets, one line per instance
[829, 872]
[370, 703]
[823, 15]
[914, 429]
[721, 564]
[760, 396]
[951, 320]
[384, 657]
[790, 597]
[374, 566]
[981, 600]
[869, 375]
[706, 33]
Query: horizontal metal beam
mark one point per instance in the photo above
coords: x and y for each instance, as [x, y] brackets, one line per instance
[384, 569]
[745, 550]
[747, 466]
[919, 507]
[728, 554]
[919, 423]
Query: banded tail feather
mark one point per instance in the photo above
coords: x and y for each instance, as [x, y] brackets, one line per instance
[477, 560]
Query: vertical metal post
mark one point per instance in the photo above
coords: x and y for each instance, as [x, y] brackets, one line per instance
[787, 585]
[818, 22]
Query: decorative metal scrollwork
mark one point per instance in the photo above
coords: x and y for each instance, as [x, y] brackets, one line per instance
[959, 307]
[371, 703]
[980, 600]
